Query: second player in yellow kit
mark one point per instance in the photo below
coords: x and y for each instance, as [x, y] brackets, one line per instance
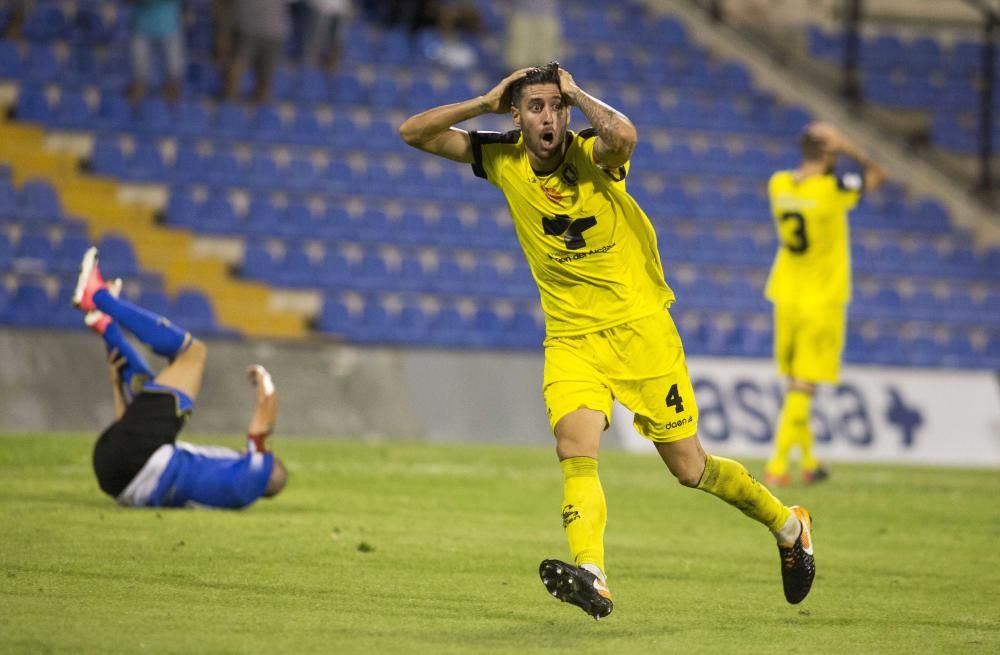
[810, 283]
[609, 335]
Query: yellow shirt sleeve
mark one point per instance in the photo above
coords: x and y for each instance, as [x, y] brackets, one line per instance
[487, 153]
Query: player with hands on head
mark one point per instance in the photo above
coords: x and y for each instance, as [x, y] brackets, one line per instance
[138, 460]
[810, 283]
[609, 334]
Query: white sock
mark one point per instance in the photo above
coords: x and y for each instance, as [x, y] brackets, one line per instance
[789, 532]
[593, 568]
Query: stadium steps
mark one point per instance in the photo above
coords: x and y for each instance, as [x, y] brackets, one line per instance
[241, 305]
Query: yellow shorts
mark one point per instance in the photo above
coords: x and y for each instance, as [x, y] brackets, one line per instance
[640, 363]
[809, 341]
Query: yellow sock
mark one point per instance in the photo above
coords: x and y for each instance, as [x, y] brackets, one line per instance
[584, 511]
[793, 430]
[730, 481]
[804, 434]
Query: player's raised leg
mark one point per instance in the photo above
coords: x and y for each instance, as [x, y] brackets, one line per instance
[729, 480]
[134, 372]
[155, 331]
[584, 514]
[186, 354]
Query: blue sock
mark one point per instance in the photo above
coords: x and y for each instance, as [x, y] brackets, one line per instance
[166, 339]
[136, 371]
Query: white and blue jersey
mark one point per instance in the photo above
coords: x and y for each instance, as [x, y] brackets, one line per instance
[185, 475]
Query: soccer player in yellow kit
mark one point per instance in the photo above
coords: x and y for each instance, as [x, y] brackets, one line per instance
[593, 254]
[810, 283]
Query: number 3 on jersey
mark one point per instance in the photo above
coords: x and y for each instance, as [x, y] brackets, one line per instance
[795, 239]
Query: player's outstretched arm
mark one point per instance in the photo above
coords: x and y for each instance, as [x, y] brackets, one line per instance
[265, 411]
[616, 135]
[433, 130]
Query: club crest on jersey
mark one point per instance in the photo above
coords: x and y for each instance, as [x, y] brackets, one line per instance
[569, 175]
[553, 194]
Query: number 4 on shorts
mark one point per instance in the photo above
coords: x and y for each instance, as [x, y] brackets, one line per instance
[674, 400]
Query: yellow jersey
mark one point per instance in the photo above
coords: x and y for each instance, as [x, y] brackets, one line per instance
[589, 245]
[813, 264]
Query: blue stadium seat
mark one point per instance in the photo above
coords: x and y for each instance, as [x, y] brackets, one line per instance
[297, 220]
[145, 164]
[375, 226]
[192, 120]
[411, 275]
[335, 317]
[39, 203]
[334, 271]
[73, 112]
[33, 104]
[33, 253]
[371, 273]
[30, 305]
[222, 169]
[193, 310]
[202, 78]
[89, 27]
[154, 117]
[10, 60]
[266, 125]
[217, 216]
[117, 256]
[9, 208]
[347, 90]
[301, 175]
[45, 23]
[375, 325]
[412, 324]
[230, 121]
[41, 64]
[68, 253]
[313, 87]
[295, 269]
[5, 301]
[306, 129]
[114, 114]
[448, 277]
[261, 172]
[257, 263]
[6, 254]
[447, 327]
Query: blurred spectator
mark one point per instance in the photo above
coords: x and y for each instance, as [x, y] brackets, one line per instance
[414, 15]
[262, 31]
[453, 19]
[223, 16]
[534, 33]
[16, 12]
[325, 21]
[156, 24]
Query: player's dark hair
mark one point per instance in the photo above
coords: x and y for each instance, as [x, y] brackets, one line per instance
[547, 74]
[812, 148]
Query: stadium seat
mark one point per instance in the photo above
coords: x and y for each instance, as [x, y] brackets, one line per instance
[33, 253]
[117, 257]
[193, 310]
[335, 317]
[30, 305]
[217, 216]
[39, 203]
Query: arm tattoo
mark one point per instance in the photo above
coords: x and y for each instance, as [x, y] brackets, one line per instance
[605, 120]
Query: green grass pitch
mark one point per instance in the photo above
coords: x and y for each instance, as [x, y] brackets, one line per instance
[424, 548]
